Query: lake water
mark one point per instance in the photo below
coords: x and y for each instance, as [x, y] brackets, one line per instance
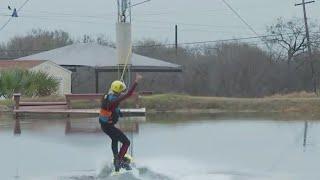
[220, 147]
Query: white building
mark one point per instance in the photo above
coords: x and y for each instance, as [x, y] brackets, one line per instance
[61, 74]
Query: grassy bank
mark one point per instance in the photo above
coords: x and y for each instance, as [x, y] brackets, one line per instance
[170, 102]
[186, 103]
[6, 105]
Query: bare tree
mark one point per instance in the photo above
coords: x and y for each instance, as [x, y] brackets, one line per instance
[289, 36]
[233, 69]
[34, 42]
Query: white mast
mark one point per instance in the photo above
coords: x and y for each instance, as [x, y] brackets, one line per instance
[123, 30]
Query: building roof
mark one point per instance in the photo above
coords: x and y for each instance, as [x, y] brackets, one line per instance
[96, 55]
[10, 64]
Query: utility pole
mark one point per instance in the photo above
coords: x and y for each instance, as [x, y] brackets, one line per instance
[311, 62]
[176, 39]
[308, 42]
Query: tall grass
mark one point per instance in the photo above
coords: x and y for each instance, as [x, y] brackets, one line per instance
[27, 83]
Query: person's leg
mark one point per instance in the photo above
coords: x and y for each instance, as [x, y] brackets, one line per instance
[117, 135]
[110, 130]
[125, 142]
[114, 147]
[124, 148]
[116, 160]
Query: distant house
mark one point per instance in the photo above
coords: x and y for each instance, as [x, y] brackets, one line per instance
[61, 74]
[94, 66]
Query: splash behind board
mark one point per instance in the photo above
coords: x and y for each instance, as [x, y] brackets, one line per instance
[121, 172]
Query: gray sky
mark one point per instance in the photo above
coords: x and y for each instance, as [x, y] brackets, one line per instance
[198, 20]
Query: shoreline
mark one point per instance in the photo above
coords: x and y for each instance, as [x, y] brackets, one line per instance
[196, 104]
[181, 116]
[173, 103]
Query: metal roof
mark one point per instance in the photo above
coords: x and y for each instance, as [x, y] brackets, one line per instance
[96, 55]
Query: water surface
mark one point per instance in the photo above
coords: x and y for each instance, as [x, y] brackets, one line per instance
[231, 147]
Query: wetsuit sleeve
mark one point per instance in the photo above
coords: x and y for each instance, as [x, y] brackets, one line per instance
[125, 96]
[119, 112]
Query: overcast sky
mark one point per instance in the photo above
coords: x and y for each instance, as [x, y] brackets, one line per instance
[198, 20]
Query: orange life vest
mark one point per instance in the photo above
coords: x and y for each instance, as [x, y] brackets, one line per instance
[105, 113]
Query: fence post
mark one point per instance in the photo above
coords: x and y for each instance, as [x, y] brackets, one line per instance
[68, 101]
[68, 104]
[17, 127]
[68, 126]
[16, 98]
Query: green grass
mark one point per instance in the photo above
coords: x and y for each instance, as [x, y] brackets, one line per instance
[186, 103]
[173, 102]
[6, 104]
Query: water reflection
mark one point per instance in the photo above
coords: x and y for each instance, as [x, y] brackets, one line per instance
[305, 134]
[92, 126]
[131, 125]
[237, 146]
[84, 125]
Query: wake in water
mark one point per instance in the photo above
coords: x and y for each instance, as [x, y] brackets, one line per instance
[137, 173]
[165, 169]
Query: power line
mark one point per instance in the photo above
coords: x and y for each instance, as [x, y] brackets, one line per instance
[25, 3]
[5, 24]
[238, 15]
[215, 41]
[146, 13]
[66, 20]
[59, 18]
[102, 16]
[244, 21]
[8, 21]
[62, 18]
[168, 44]
[157, 45]
[187, 24]
[211, 41]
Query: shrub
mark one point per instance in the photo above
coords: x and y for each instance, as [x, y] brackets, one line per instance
[27, 83]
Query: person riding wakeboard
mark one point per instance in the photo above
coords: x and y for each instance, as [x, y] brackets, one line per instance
[109, 115]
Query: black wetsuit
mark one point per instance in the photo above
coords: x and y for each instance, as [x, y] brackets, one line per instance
[116, 135]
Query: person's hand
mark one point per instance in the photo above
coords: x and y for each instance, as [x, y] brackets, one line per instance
[138, 78]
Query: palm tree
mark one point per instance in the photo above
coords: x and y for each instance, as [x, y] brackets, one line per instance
[27, 83]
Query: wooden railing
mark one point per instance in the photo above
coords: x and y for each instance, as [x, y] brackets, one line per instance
[70, 97]
[37, 105]
[61, 106]
[64, 107]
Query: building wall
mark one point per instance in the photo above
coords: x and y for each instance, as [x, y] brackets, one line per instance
[83, 80]
[105, 80]
[58, 72]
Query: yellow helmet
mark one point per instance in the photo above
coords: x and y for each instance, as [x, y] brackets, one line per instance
[118, 86]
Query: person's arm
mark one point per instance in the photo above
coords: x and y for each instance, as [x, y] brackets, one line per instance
[130, 91]
[126, 95]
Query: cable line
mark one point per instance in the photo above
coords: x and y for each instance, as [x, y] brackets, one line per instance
[8, 21]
